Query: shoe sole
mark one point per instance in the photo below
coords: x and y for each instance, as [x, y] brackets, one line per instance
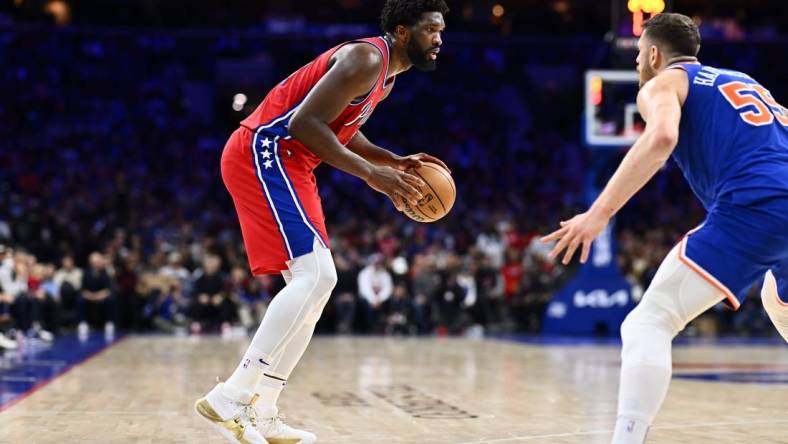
[230, 429]
[285, 441]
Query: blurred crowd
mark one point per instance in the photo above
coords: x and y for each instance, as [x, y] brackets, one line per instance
[113, 214]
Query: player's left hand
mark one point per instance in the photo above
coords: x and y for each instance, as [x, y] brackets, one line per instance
[416, 160]
[579, 230]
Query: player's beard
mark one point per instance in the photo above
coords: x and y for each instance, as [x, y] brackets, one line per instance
[421, 58]
[646, 74]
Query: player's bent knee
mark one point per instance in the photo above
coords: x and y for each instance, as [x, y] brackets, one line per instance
[646, 334]
[328, 278]
[628, 327]
[326, 275]
[316, 272]
[651, 316]
[322, 281]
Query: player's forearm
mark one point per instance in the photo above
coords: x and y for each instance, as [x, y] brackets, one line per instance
[319, 139]
[641, 163]
[360, 145]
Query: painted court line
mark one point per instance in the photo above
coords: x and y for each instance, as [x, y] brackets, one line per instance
[598, 432]
[52, 412]
[44, 383]
[17, 379]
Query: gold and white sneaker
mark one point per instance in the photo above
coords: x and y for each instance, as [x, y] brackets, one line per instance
[272, 427]
[232, 416]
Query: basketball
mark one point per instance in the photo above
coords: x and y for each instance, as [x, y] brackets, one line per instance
[438, 194]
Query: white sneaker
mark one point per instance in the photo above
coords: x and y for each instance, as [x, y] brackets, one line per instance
[109, 331]
[233, 418]
[43, 335]
[83, 330]
[271, 425]
[774, 306]
[7, 344]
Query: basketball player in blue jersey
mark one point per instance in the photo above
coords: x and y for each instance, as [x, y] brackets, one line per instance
[729, 137]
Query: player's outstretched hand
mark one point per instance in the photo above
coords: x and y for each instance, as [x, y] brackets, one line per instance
[393, 182]
[415, 160]
[579, 230]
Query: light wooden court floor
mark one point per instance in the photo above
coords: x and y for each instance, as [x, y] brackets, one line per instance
[378, 390]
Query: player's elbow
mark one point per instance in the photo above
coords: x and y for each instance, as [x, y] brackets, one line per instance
[667, 139]
[664, 140]
[666, 136]
[298, 125]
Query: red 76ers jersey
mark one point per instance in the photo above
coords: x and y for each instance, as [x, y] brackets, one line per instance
[281, 102]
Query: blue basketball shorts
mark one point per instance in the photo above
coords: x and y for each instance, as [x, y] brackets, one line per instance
[736, 245]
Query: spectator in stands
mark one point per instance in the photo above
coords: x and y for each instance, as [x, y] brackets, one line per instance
[128, 299]
[257, 297]
[96, 299]
[422, 314]
[346, 291]
[175, 269]
[44, 297]
[484, 282]
[426, 280]
[14, 274]
[451, 298]
[212, 309]
[6, 321]
[489, 242]
[512, 274]
[27, 302]
[399, 313]
[6, 300]
[6, 265]
[251, 296]
[151, 289]
[169, 309]
[375, 287]
[68, 280]
[23, 311]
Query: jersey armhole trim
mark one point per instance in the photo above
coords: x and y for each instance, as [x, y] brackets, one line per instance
[359, 101]
[689, 82]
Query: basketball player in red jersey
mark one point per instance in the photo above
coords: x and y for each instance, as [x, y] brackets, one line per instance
[313, 116]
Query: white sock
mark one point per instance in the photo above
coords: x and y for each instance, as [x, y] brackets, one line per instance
[249, 371]
[676, 295]
[630, 431]
[642, 391]
[269, 387]
[311, 277]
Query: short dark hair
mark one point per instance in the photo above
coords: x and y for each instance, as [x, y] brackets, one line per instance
[408, 12]
[676, 31]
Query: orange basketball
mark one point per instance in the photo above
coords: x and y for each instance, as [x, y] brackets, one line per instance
[438, 194]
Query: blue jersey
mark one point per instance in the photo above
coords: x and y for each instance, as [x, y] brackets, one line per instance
[733, 150]
[733, 138]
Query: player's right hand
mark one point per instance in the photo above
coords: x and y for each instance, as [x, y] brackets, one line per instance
[393, 182]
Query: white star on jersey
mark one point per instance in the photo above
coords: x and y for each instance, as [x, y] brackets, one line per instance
[268, 163]
[266, 142]
[266, 154]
